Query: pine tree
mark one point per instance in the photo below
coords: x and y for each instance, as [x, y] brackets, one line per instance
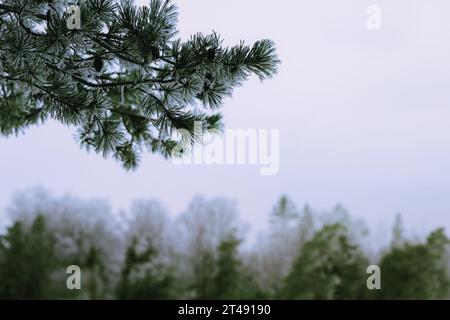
[417, 271]
[226, 278]
[124, 79]
[27, 259]
[329, 266]
[232, 280]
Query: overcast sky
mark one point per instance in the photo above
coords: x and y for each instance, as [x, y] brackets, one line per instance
[364, 118]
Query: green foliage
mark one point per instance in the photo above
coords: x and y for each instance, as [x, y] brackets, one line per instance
[144, 260]
[26, 261]
[328, 267]
[124, 80]
[141, 278]
[204, 269]
[417, 271]
[231, 280]
[226, 279]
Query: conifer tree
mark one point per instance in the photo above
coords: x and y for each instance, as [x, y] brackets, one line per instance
[231, 280]
[123, 79]
[422, 268]
[329, 266]
[27, 259]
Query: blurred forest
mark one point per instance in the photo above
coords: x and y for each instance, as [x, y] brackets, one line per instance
[144, 253]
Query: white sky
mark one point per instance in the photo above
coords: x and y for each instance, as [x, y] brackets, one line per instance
[364, 118]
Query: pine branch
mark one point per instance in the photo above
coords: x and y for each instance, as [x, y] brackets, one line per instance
[124, 79]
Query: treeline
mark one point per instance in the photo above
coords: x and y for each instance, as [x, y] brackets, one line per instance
[143, 253]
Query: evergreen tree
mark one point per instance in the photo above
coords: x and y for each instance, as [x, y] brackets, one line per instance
[204, 269]
[329, 267]
[124, 79]
[137, 260]
[232, 280]
[142, 278]
[417, 271]
[228, 264]
[26, 261]
[285, 209]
